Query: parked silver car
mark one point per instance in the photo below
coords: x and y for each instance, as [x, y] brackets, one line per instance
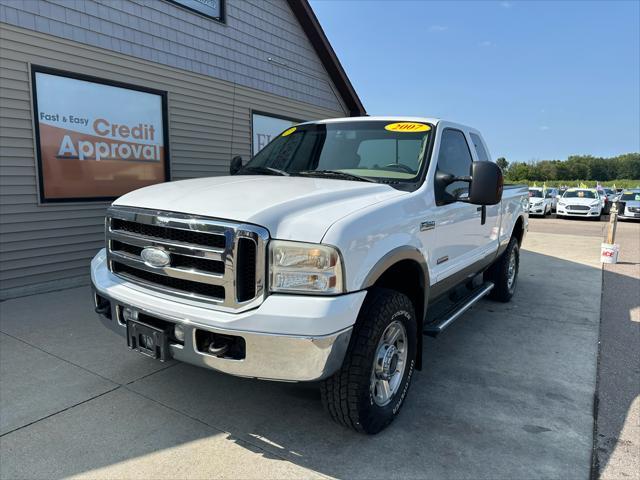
[629, 205]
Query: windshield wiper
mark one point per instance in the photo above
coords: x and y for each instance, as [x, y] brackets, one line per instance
[336, 174]
[265, 170]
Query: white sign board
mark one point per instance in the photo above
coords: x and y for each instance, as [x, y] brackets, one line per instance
[266, 128]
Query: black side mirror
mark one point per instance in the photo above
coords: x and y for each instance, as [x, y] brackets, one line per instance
[487, 183]
[236, 165]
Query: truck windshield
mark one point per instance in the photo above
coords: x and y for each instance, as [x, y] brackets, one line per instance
[381, 151]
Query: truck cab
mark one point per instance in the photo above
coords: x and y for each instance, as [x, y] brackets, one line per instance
[324, 258]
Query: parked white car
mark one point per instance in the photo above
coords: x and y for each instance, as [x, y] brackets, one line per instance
[325, 258]
[580, 202]
[629, 205]
[540, 201]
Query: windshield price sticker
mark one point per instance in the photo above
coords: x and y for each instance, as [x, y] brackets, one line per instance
[407, 127]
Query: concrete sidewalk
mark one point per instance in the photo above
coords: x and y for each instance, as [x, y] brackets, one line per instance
[617, 444]
[507, 392]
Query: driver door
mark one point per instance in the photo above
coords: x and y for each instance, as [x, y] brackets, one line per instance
[457, 223]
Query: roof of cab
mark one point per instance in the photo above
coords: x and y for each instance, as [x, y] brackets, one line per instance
[433, 121]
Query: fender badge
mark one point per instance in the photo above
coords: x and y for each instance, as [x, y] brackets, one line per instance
[428, 225]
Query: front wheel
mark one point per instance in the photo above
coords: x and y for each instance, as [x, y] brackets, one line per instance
[366, 394]
[504, 273]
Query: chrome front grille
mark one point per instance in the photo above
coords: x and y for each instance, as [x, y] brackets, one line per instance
[217, 262]
[578, 207]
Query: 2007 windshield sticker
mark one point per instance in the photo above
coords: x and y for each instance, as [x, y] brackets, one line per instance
[407, 127]
[288, 131]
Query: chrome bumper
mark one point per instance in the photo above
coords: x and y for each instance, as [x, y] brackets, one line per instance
[288, 337]
[592, 212]
[287, 358]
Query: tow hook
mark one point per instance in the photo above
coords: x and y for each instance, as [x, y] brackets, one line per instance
[217, 351]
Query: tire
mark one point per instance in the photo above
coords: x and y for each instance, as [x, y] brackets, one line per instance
[348, 395]
[498, 273]
[598, 218]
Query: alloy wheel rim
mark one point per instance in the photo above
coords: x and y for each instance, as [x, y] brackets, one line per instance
[389, 363]
[511, 279]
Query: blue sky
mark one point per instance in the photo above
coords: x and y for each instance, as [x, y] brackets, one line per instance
[540, 79]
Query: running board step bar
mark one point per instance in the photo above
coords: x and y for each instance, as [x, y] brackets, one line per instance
[456, 310]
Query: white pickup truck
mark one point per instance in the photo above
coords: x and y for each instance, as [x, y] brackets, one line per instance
[325, 258]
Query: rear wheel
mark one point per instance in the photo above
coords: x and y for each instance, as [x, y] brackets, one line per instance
[366, 394]
[504, 273]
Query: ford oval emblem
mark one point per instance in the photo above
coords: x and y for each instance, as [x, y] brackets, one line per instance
[155, 257]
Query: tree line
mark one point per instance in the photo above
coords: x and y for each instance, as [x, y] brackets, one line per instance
[576, 167]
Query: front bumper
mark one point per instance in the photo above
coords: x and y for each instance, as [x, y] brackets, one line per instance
[627, 214]
[536, 209]
[287, 338]
[592, 212]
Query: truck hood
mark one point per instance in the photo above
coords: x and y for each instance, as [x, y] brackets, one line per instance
[291, 208]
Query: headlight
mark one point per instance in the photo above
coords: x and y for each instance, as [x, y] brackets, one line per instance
[562, 204]
[304, 268]
[596, 203]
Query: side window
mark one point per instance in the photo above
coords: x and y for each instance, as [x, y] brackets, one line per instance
[482, 153]
[454, 158]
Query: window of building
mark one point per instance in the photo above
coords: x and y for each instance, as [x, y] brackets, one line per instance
[97, 139]
[266, 127]
[213, 9]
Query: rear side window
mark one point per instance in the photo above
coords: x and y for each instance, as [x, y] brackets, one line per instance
[454, 158]
[477, 143]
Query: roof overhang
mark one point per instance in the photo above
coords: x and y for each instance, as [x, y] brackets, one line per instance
[311, 26]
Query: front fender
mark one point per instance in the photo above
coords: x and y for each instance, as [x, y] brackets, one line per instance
[373, 239]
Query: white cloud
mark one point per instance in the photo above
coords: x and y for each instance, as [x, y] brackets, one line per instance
[544, 128]
[486, 43]
[438, 28]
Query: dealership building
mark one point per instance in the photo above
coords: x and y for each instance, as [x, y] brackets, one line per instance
[99, 97]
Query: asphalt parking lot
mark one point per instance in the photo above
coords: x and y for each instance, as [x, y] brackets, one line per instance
[507, 392]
